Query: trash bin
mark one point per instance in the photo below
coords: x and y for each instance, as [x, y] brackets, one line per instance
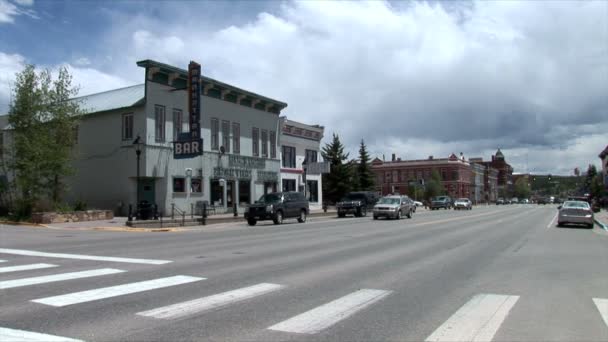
[145, 210]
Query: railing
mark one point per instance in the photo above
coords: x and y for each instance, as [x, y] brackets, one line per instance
[175, 209]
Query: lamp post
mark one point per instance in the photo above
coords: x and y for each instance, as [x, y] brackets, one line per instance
[138, 145]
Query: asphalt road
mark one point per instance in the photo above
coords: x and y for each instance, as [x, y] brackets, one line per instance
[494, 273]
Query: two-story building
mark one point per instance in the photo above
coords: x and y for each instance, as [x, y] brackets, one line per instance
[300, 151]
[604, 160]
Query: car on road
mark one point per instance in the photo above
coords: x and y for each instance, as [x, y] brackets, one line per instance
[278, 206]
[542, 200]
[524, 201]
[500, 201]
[417, 204]
[394, 207]
[444, 202]
[514, 200]
[575, 212]
[463, 203]
[356, 203]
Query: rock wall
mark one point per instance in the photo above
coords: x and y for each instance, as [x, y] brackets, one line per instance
[75, 216]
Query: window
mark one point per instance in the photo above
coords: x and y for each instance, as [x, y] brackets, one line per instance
[387, 176]
[177, 123]
[196, 185]
[127, 126]
[215, 134]
[236, 137]
[311, 156]
[312, 187]
[244, 192]
[289, 157]
[255, 141]
[455, 175]
[264, 143]
[226, 135]
[179, 184]
[159, 116]
[289, 185]
[217, 192]
[273, 144]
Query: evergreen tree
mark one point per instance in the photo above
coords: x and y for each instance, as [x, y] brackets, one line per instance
[522, 188]
[364, 174]
[433, 186]
[336, 183]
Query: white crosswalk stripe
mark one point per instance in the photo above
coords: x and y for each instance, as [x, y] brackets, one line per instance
[478, 320]
[211, 302]
[324, 316]
[13, 335]
[25, 267]
[57, 277]
[115, 291]
[602, 307]
[82, 257]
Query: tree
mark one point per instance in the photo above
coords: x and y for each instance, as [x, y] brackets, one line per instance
[591, 173]
[364, 174]
[522, 188]
[434, 186]
[336, 183]
[43, 120]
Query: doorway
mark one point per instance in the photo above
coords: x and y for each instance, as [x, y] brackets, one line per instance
[230, 193]
[147, 190]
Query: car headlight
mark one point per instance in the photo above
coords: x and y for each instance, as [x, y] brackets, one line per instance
[588, 215]
[269, 208]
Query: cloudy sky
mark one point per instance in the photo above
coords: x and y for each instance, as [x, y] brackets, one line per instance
[411, 78]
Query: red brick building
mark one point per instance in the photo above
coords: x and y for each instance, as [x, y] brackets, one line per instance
[395, 176]
[505, 173]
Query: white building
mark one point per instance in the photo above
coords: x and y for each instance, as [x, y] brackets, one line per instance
[243, 124]
[300, 142]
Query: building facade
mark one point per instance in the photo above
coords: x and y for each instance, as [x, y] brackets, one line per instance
[300, 147]
[397, 175]
[505, 173]
[477, 182]
[604, 160]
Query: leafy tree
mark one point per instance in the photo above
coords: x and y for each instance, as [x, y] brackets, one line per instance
[591, 173]
[364, 175]
[522, 188]
[336, 183]
[43, 121]
[434, 186]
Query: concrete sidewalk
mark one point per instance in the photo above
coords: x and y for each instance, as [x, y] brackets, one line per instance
[601, 219]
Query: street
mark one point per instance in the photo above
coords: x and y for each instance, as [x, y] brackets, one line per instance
[501, 273]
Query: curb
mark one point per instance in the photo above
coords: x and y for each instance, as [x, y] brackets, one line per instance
[15, 223]
[601, 224]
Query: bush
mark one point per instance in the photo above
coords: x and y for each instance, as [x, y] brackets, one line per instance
[22, 210]
[80, 206]
[63, 208]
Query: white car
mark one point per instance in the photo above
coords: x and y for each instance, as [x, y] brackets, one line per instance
[463, 203]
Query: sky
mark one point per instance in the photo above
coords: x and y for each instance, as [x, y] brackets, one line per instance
[411, 78]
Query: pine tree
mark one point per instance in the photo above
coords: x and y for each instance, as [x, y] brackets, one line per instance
[336, 183]
[365, 176]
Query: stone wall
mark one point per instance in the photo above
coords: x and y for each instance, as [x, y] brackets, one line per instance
[75, 216]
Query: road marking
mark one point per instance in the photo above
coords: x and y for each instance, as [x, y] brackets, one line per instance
[602, 306]
[13, 335]
[211, 302]
[2, 260]
[324, 316]
[25, 267]
[82, 257]
[552, 220]
[57, 277]
[477, 320]
[114, 291]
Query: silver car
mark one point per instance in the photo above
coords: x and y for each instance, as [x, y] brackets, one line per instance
[463, 203]
[394, 207]
[577, 212]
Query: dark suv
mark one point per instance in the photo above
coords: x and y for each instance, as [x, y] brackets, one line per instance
[444, 202]
[356, 203]
[278, 206]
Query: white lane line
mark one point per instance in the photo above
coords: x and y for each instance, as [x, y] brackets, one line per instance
[2, 260]
[211, 302]
[602, 306]
[552, 220]
[324, 316]
[57, 277]
[477, 320]
[114, 291]
[13, 335]
[82, 257]
[25, 267]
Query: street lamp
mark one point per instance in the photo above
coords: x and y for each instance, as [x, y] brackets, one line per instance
[138, 144]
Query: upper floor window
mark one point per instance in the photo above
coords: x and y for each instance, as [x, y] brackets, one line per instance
[264, 143]
[255, 141]
[127, 126]
[236, 137]
[215, 134]
[289, 156]
[311, 156]
[177, 123]
[273, 144]
[159, 123]
[226, 135]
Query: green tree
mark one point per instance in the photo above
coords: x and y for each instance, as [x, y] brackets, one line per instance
[43, 121]
[522, 188]
[589, 180]
[364, 174]
[336, 183]
[434, 186]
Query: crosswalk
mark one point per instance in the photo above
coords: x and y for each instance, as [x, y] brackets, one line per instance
[478, 319]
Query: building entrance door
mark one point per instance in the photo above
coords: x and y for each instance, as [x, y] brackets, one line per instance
[230, 193]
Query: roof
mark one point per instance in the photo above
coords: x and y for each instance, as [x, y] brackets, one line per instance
[112, 99]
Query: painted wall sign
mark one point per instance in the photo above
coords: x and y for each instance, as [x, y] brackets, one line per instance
[268, 176]
[246, 162]
[187, 148]
[230, 173]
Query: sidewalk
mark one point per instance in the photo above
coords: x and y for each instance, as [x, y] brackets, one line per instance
[601, 219]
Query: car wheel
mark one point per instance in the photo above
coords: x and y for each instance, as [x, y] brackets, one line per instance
[341, 214]
[375, 217]
[559, 224]
[399, 215]
[363, 211]
[409, 215]
[278, 217]
[590, 226]
[252, 222]
[302, 217]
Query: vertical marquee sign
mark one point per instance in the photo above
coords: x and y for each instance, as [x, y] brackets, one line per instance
[190, 145]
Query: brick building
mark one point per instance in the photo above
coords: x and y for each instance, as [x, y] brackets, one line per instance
[397, 175]
[505, 173]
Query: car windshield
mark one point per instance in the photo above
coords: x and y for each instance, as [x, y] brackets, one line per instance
[270, 198]
[462, 200]
[388, 200]
[441, 198]
[353, 197]
[576, 204]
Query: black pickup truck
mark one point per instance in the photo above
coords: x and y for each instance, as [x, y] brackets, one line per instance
[357, 203]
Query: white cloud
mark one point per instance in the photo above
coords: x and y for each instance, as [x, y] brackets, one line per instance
[7, 12]
[25, 2]
[82, 61]
[9, 65]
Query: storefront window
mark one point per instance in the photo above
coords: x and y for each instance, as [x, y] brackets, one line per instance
[179, 184]
[244, 192]
[289, 185]
[217, 193]
[196, 185]
[313, 190]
